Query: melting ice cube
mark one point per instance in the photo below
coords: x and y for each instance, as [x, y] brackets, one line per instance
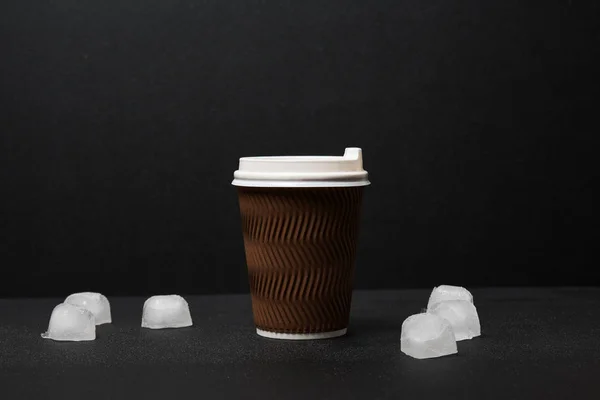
[71, 323]
[427, 336]
[462, 315]
[95, 302]
[170, 311]
[447, 292]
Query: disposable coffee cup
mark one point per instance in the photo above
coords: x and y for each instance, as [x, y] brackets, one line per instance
[300, 217]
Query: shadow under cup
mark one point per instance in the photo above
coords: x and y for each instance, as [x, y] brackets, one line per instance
[300, 245]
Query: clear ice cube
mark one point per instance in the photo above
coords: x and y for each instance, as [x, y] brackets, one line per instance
[171, 311]
[71, 323]
[95, 302]
[448, 292]
[427, 336]
[462, 315]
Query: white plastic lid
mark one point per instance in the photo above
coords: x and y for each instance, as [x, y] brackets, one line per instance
[303, 171]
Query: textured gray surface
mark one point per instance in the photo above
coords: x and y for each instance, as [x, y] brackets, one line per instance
[536, 343]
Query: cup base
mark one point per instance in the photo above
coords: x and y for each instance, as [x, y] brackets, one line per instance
[301, 336]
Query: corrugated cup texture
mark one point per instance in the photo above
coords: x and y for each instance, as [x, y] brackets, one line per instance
[300, 249]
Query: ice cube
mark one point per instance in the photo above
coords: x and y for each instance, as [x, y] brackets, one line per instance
[462, 315]
[447, 292]
[427, 336]
[95, 302]
[71, 323]
[170, 311]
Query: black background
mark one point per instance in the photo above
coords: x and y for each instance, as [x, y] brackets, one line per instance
[122, 122]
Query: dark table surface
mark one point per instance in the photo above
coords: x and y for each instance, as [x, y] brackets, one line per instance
[536, 344]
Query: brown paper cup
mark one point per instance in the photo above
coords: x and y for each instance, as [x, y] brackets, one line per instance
[300, 245]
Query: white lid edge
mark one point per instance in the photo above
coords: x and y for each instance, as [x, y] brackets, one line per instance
[268, 183]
